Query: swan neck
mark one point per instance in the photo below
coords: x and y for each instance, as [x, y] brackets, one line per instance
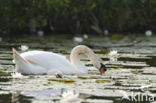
[75, 60]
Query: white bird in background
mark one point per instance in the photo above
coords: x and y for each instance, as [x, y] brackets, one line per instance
[41, 62]
[80, 39]
[70, 97]
[23, 47]
[148, 33]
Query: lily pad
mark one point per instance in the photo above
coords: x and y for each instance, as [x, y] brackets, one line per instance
[116, 37]
[62, 80]
[117, 83]
[103, 81]
[102, 52]
[4, 74]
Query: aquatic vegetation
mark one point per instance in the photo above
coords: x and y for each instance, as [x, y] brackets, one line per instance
[63, 80]
[88, 77]
[4, 74]
[83, 77]
[148, 33]
[102, 52]
[17, 75]
[70, 97]
[103, 81]
[23, 48]
[143, 87]
[116, 37]
[113, 53]
[117, 83]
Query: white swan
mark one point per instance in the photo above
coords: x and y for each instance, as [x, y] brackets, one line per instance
[41, 62]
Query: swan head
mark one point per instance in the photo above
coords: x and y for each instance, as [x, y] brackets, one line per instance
[102, 68]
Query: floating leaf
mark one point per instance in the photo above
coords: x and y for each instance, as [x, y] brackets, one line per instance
[103, 81]
[31, 77]
[118, 84]
[102, 52]
[116, 37]
[89, 77]
[4, 74]
[83, 77]
[94, 77]
[62, 80]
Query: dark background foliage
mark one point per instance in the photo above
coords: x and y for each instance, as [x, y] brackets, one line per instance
[76, 16]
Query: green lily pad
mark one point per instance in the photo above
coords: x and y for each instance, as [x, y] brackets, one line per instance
[62, 80]
[102, 52]
[4, 74]
[103, 81]
[116, 37]
[118, 83]
[83, 77]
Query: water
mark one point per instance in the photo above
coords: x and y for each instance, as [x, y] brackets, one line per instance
[135, 67]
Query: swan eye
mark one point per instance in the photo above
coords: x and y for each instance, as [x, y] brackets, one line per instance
[102, 69]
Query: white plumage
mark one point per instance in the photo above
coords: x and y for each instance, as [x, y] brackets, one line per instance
[41, 62]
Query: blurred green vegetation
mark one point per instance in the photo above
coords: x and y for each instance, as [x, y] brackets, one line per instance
[76, 16]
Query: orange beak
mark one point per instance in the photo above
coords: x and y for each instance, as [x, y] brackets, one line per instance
[102, 69]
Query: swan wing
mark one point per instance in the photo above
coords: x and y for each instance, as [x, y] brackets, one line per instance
[51, 61]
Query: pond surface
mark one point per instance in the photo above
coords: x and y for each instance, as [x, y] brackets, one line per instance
[131, 72]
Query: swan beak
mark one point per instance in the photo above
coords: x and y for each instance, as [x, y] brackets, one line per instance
[102, 69]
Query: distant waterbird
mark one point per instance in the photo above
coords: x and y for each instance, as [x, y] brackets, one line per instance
[79, 39]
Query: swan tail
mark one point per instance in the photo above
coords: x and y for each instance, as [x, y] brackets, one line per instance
[17, 57]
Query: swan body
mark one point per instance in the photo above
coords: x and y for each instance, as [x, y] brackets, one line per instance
[41, 62]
